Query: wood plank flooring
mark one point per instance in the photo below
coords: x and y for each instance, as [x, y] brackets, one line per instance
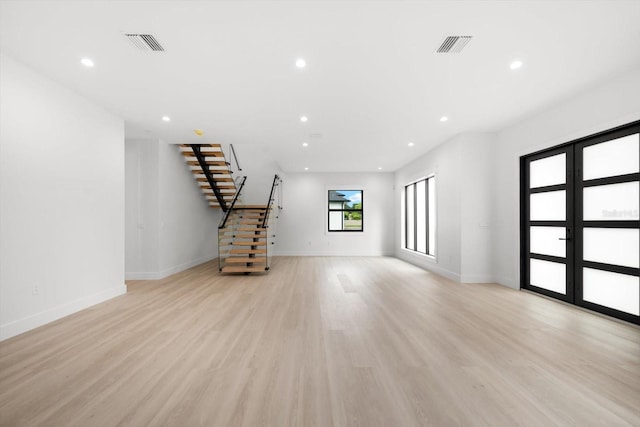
[323, 342]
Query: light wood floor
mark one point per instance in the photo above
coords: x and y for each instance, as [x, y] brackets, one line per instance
[323, 342]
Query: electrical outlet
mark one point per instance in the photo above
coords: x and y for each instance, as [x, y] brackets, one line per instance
[35, 290]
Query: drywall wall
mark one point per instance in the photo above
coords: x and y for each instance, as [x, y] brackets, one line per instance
[188, 226]
[609, 105]
[142, 239]
[170, 226]
[444, 162]
[476, 226]
[463, 208]
[302, 224]
[61, 201]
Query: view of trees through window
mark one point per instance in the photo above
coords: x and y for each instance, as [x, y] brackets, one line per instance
[345, 210]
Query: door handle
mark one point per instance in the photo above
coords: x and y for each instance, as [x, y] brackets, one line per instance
[563, 238]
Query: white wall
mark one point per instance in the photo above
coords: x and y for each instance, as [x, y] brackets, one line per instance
[61, 201]
[142, 259]
[478, 182]
[612, 104]
[462, 167]
[302, 227]
[170, 226]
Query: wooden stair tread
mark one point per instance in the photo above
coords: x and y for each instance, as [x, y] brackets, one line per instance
[208, 162]
[246, 244]
[248, 251]
[245, 260]
[250, 207]
[239, 269]
[201, 145]
[204, 153]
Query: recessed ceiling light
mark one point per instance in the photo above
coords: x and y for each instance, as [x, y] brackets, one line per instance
[444, 118]
[301, 63]
[515, 64]
[166, 118]
[305, 144]
[303, 119]
[411, 144]
[87, 62]
[380, 169]
[306, 169]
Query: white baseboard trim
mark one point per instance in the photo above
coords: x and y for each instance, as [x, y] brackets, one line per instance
[20, 326]
[477, 278]
[439, 270]
[508, 282]
[331, 253]
[429, 265]
[157, 275]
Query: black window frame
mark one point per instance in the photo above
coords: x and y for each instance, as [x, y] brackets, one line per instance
[428, 251]
[343, 210]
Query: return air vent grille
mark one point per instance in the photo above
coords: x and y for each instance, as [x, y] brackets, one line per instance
[145, 42]
[453, 44]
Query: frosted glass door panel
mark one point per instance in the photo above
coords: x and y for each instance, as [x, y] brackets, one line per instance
[546, 241]
[617, 246]
[617, 291]
[548, 275]
[548, 171]
[613, 202]
[432, 216]
[616, 157]
[410, 218]
[549, 206]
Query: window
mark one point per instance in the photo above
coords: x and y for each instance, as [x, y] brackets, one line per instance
[420, 216]
[345, 210]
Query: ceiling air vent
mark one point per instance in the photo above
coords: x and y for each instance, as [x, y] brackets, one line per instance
[453, 44]
[145, 42]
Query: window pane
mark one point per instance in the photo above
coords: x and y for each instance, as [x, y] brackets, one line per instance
[335, 221]
[611, 202]
[548, 275]
[617, 291]
[618, 246]
[410, 218]
[546, 241]
[548, 171]
[353, 221]
[616, 157]
[549, 206]
[432, 216]
[421, 217]
[345, 210]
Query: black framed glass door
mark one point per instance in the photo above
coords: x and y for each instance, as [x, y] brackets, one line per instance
[580, 222]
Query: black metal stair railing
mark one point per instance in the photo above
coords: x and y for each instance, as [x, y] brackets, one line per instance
[276, 182]
[225, 218]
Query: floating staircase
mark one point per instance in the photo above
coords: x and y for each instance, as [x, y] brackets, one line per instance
[246, 232]
[243, 240]
[212, 172]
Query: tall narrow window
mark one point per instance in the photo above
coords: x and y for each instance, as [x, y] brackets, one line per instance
[420, 216]
[345, 210]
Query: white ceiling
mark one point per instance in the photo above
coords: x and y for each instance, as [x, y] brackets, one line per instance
[373, 80]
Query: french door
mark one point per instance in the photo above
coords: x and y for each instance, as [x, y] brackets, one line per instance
[581, 225]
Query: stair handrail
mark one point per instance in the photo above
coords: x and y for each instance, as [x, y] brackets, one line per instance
[276, 182]
[227, 213]
[233, 152]
[207, 173]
